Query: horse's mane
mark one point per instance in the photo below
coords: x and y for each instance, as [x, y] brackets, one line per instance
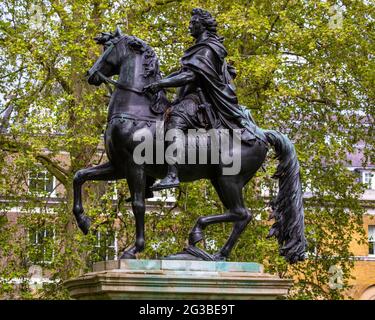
[151, 67]
[151, 63]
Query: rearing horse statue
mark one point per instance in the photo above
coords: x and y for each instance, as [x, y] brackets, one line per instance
[131, 109]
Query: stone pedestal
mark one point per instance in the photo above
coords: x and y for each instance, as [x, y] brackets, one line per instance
[177, 279]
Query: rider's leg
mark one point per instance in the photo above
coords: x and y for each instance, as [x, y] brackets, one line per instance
[171, 180]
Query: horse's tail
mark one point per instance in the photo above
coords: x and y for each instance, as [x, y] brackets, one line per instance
[287, 207]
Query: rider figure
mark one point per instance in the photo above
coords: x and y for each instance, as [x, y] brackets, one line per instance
[203, 69]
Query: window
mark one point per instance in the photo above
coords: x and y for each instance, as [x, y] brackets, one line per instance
[41, 182]
[368, 178]
[105, 246]
[371, 240]
[41, 241]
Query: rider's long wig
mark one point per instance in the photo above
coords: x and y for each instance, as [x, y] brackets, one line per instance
[206, 19]
[208, 22]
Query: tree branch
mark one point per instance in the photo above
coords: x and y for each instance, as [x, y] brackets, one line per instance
[325, 101]
[64, 84]
[53, 167]
[13, 72]
[273, 24]
[4, 121]
[59, 172]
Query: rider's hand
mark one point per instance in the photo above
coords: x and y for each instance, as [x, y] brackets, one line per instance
[152, 87]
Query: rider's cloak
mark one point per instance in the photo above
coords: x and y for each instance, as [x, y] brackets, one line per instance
[207, 59]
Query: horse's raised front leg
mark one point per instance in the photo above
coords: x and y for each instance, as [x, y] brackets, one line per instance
[137, 184]
[104, 171]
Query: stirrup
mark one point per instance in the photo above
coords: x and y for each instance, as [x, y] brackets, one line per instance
[160, 186]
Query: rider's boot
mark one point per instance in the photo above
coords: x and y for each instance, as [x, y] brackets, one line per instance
[170, 181]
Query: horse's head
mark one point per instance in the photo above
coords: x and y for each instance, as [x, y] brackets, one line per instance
[133, 60]
[108, 63]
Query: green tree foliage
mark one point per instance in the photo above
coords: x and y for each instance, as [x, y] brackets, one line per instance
[304, 68]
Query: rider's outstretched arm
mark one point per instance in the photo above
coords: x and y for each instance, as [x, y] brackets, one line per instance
[184, 77]
[180, 79]
[173, 74]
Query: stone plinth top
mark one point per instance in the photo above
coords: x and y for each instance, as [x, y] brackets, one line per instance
[177, 279]
[178, 265]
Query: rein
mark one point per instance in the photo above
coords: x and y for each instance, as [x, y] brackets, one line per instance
[118, 84]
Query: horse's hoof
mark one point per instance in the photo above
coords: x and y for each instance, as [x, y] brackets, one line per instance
[219, 257]
[127, 255]
[182, 256]
[195, 237]
[84, 224]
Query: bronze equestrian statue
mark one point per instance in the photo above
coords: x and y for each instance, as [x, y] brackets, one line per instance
[206, 100]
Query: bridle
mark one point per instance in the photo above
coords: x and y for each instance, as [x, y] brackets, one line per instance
[105, 79]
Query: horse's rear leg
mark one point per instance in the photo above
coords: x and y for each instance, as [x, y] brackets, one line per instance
[230, 193]
[137, 184]
[104, 171]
